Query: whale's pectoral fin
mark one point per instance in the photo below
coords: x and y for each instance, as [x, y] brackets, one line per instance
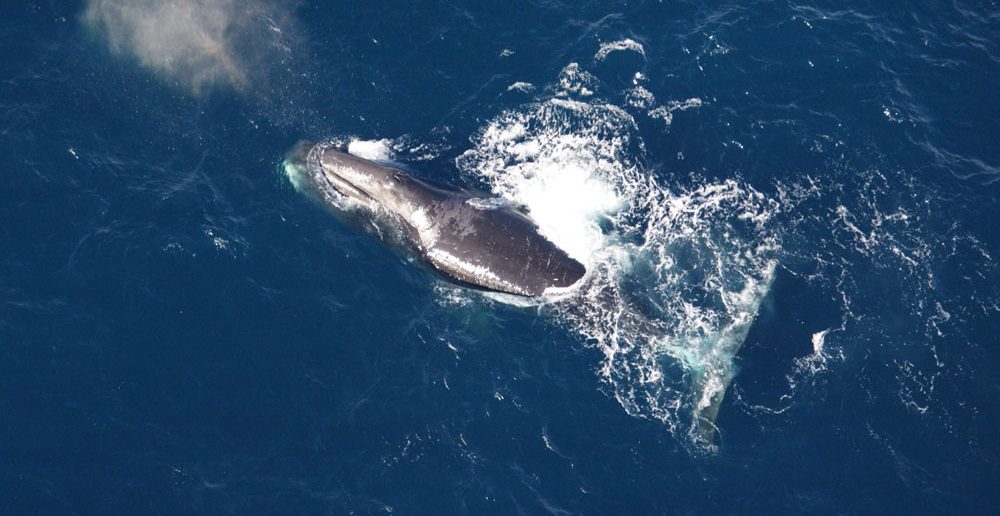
[708, 393]
[713, 367]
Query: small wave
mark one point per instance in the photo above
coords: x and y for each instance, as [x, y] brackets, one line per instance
[666, 112]
[640, 97]
[628, 44]
[573, 80]
[521, 86]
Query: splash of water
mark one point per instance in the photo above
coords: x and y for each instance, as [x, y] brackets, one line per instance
[535, 159]
[375, 150]
[676, 278]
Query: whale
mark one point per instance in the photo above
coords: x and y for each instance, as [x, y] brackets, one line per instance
[489, 244]
[471, 239]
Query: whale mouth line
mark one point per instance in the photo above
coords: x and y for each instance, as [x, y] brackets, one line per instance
[343, 187]
[338, 183]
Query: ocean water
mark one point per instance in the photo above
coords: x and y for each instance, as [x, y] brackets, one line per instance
[788, 211]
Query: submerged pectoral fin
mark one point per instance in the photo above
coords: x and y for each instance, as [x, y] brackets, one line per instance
[710, 379]
[711, 393]
[708, 391]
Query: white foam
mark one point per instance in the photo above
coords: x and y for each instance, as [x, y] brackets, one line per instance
[666, 112]
[819, 340]
[701, 278]
[627, 44]
[521, 86]
[556, 174]
[662, 113]
[375, 150]
[684, 105]
[575, 81]
[640, 97]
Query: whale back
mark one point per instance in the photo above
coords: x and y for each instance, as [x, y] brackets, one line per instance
[494, 247]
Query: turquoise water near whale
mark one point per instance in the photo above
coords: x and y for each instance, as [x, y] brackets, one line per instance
[789, 211]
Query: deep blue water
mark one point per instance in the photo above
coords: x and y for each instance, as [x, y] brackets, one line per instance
[183, 332]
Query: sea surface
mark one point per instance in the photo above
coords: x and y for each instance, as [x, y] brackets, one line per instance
[789, 211]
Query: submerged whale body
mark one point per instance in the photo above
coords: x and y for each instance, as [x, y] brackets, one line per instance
[472, 240]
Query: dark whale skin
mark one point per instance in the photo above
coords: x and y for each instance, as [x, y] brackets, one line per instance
[473, 241]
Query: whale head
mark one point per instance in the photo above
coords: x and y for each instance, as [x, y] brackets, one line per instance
[325, 171]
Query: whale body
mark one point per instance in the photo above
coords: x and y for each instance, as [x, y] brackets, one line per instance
[476, 241]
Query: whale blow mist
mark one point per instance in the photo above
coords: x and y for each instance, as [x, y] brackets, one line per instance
[199, 44]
